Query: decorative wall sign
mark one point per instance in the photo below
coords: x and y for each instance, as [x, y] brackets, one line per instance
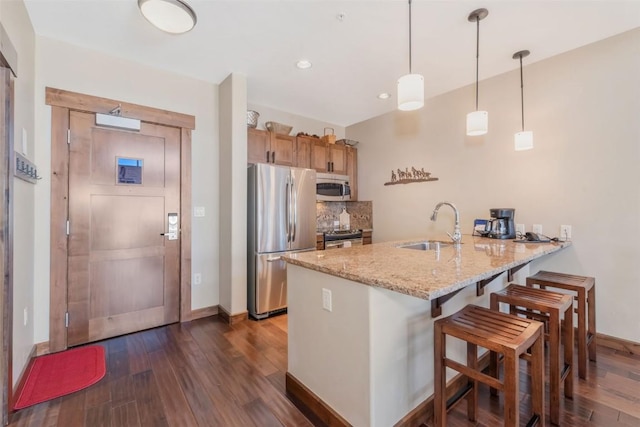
[408, 176]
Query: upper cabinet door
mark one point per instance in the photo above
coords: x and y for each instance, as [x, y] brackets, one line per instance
[352, 171]
[338, 159]
[303, 147]
[283, 149]
[258, 143]
[320, 156]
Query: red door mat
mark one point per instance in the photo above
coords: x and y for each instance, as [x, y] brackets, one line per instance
[58, 374]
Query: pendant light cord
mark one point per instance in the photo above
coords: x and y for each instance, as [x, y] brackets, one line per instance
[477, 56]
[409, 36]
[522, 92]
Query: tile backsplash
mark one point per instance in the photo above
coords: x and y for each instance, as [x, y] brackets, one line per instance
[361, 214]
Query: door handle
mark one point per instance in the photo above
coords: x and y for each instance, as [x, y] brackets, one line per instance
[172, 227]
[294, 196]
[273, 157]
[267, 157]
[328, 166]
[287, 201]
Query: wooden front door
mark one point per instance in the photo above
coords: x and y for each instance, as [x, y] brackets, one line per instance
[123, 273]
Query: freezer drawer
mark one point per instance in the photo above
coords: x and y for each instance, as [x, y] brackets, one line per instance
[270, 284]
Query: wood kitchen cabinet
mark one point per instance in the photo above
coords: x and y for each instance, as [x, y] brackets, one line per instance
[269, 147]
[303, 146]
[330, 158]
[352, 171]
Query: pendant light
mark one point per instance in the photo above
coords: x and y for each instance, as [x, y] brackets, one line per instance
[477, 121]
[410, 86]
[171, 16]
[523, 139]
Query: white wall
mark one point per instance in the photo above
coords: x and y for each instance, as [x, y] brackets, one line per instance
[583, 108]
[64, 66]
[16, 22]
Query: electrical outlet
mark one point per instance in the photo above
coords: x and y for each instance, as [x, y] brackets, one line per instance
[565, 232]
[519, 229]
[326, 299]
[26, 316]
[198, 211]
[537, 228]
[197, 279]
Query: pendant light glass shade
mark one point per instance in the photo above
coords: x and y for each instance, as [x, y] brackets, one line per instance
[410, 92]
[524, 140]
[477, 123]
[171, 16]
[410, 86]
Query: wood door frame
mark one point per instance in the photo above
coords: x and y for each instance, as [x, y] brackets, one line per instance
[7, 92]
[62, 102]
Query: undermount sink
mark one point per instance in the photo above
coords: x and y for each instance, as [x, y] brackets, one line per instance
[429, 245]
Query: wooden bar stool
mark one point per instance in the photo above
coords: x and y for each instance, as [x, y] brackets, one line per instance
[585, 289]
[503, 333]
[547, 307]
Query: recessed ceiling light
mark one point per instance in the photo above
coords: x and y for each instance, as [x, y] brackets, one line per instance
[303, 64]
[384, 95]
[172, 16]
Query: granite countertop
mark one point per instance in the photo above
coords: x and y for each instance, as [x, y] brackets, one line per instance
[424, 274]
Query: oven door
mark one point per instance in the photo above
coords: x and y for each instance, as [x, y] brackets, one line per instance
[345, 243]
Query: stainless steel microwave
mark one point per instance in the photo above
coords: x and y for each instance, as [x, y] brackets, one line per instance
[332, 188]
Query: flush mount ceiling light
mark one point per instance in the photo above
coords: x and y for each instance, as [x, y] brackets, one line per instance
[410, 86]
[384, 95]
[523, 139]
[303, 64]
[477, 121]
[171, 16]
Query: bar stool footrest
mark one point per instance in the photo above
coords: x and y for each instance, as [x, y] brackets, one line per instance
[460, 394]
[534, 420]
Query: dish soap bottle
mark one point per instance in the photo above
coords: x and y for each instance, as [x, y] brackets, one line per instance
[345, 220]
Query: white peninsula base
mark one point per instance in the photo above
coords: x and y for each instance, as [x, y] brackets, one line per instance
[369, 359]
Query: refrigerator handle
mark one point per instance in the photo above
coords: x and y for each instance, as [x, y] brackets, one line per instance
[287, 202]
[294, 195]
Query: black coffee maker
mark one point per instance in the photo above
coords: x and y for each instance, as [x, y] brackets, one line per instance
[501, 225]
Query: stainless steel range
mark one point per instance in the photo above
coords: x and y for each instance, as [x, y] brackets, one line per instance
[342, 238]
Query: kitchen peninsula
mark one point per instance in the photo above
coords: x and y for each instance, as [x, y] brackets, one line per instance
[368, 355]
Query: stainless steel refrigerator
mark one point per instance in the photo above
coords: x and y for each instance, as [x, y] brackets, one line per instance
[281, 219]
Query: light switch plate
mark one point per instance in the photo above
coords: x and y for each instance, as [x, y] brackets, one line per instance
[198, 211]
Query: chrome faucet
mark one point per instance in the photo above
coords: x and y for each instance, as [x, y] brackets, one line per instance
[456, 236]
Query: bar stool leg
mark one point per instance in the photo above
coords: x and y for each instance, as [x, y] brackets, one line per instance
[554, 366]
[537, 379]
[439, 402]
[511, 390]
[582, 334]
[568, 351]
[493, 356]
[591, 300]
[472, 397]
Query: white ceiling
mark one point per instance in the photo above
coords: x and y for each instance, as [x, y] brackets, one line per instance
[353, 60]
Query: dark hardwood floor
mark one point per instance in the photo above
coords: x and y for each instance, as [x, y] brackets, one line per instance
[206, 373]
